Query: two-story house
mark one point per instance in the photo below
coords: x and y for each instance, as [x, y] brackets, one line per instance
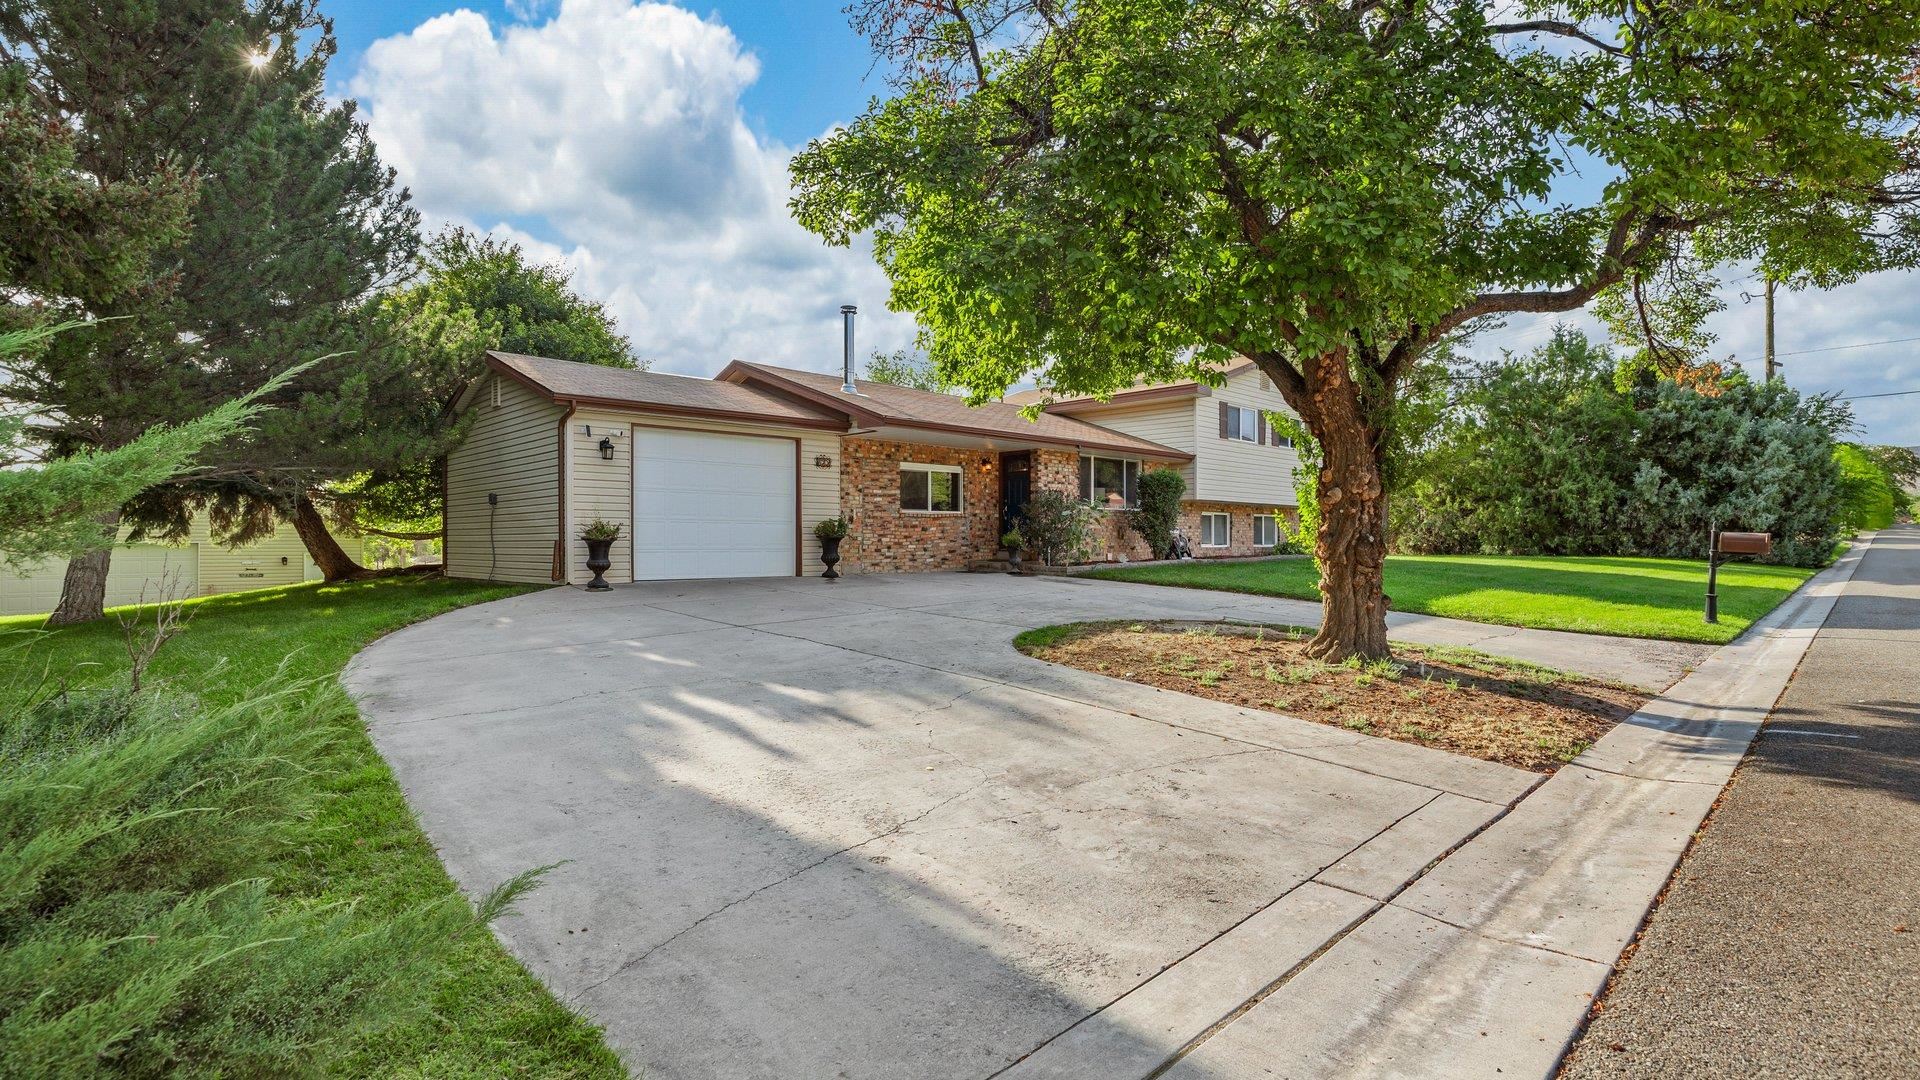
[729, 476]
[1240, 476]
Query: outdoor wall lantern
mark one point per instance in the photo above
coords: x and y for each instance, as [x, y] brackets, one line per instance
[606, 448]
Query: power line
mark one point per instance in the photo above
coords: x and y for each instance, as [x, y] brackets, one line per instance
[1893, 393]
[1855, 345]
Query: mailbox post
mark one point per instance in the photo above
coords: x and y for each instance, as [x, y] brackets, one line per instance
[1722, 546]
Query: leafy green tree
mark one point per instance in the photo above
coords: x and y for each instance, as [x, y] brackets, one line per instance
[293, 222]
[904, 368]
[1099, 192]
[470, 293]
[1868, 497]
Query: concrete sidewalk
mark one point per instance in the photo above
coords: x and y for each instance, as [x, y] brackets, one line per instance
[1486, 964]
[1789, 944]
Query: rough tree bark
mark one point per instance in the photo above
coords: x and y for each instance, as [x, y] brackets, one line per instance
[1351, 547]
[83, 595]
[334, 563]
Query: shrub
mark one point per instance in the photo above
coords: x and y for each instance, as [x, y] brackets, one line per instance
[1547, 454]
[1058, 528]
[141, 933]
[833, 528]
[1159, 512]
[600, 529]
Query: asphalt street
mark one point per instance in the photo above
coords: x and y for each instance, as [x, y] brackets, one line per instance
[1788, 944]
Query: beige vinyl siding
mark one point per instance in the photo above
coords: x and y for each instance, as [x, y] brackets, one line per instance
[1230, 471]
[1169, 423]
[194, 567]
[597, 488]
[280, 559]
[600, 488]
[510, 450]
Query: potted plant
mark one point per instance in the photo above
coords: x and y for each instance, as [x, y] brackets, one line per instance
[1015, 544]
[830, 532]
[599, 535]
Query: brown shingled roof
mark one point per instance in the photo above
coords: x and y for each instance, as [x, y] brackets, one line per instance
[884, 404]
[568, 380]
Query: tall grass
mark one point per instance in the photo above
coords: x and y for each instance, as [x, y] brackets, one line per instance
[141, 930]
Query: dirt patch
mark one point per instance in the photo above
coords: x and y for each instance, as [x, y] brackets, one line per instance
[1457, 700]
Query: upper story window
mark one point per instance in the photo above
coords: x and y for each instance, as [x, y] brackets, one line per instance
[1243, 424]
[929, 489]
[1249, 425]
[1111, 482]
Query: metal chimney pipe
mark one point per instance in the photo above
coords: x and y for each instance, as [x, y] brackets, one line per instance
[847, 312]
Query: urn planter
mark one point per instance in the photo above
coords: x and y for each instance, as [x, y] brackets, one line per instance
[599, 560]
[830, 554]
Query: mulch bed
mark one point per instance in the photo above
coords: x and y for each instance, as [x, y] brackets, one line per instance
[1452, 699]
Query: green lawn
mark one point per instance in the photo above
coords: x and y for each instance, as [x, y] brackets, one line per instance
[1648, 598]
[488, 1018]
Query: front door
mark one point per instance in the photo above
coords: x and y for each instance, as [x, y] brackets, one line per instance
[1016, 484]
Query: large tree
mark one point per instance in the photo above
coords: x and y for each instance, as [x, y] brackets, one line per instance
[470, 293]
[293, 223]
[1095, 191]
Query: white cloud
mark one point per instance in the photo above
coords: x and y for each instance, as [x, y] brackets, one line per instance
[611, 136]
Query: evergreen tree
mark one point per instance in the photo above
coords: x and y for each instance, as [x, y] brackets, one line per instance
[293, 223]
[471, 293]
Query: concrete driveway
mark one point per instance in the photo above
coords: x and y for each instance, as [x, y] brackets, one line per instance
[818, 829]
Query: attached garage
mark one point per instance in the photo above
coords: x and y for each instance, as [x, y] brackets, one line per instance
[714, 505]
[728, 477]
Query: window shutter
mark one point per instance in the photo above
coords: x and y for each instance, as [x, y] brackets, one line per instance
[1223, 419]
[1262, 425]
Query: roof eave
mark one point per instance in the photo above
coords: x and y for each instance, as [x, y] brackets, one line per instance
[824, 423]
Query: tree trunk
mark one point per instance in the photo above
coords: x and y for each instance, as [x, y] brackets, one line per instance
[334, 563]
[1352, 551]
[83, 595]
[1351, 547]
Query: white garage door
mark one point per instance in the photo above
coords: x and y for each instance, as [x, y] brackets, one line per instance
[176, 570]
[707, 505]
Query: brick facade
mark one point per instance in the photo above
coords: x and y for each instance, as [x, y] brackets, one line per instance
[887, 539]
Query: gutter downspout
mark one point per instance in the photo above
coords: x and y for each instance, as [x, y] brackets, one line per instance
[566, 472]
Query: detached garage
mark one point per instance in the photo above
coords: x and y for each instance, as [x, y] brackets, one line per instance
[197, 567]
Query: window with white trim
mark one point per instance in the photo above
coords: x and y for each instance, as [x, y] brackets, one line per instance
[1266, 530]
[1243, 424]
[1216, 530]
[929, 489]
[1103, 477]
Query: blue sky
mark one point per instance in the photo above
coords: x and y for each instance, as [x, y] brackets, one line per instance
[645, 145]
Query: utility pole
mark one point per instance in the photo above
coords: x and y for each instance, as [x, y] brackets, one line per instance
[1771, 365]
